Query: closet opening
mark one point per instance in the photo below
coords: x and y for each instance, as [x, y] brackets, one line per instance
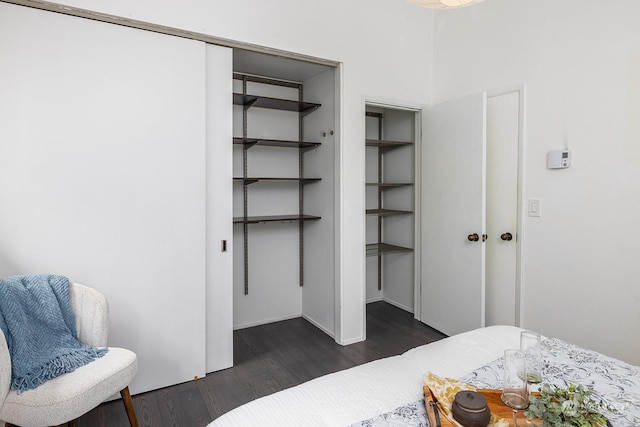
[285, 145]
[391, 135]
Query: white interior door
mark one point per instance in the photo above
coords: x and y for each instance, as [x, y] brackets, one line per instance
[502, 208]
[453, 208]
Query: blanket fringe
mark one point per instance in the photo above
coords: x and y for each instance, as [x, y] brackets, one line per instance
[62, 364]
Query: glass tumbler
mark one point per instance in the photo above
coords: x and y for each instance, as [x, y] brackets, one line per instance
[530, 344]
[514, 386]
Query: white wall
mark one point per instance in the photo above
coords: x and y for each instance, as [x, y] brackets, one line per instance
[580, 61]
[381, 44]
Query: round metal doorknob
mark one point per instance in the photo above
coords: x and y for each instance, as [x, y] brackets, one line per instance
[506, 236]
[473, 237]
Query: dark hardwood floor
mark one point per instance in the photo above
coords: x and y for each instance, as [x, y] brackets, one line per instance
[267, 359]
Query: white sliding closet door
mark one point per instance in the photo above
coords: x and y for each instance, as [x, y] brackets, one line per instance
[219, 118]
[103, 176]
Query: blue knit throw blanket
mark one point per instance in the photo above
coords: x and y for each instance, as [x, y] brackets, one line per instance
[40, 329]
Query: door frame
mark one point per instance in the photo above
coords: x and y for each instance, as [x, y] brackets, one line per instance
[520, 229]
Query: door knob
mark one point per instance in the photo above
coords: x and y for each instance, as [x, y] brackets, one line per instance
[473, 237]
[506, 236]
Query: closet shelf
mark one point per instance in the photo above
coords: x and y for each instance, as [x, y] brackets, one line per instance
[250, 142]
[376, 249]
[252, 180]
[386, 212]
[382, 143]
[273, 218]
[381, 213]
[301, 108]
[257, 101]
[385, 185]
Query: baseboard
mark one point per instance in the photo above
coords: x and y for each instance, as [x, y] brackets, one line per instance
[266, 321]
[319, 326]
[376, 299]
[352, 341]
[405, 308]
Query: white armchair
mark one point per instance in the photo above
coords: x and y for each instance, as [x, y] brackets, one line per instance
[67, 397]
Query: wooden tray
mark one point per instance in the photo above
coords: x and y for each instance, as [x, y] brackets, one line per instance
[493, 400]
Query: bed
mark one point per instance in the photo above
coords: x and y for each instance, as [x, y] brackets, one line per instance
[377, 392]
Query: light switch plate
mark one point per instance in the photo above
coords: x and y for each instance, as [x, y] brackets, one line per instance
[534, 207]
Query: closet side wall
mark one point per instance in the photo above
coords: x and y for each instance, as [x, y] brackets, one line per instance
[318, 294]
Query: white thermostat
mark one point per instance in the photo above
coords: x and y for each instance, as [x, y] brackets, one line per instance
[558, 159]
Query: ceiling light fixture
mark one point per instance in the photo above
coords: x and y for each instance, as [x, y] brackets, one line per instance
[444, 4]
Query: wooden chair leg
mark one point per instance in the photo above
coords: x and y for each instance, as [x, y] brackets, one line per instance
[128, 405]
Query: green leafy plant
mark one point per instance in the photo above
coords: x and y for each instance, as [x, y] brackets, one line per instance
[567, 407]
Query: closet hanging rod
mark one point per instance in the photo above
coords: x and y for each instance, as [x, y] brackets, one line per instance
[266, 80]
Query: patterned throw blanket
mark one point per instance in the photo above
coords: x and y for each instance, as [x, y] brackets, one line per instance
[615, 382]
[40, 329]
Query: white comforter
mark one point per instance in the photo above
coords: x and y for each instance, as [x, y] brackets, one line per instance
[362, 392]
